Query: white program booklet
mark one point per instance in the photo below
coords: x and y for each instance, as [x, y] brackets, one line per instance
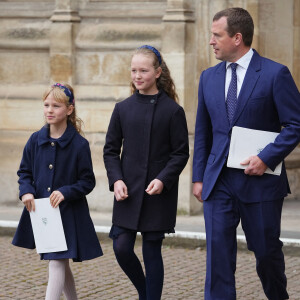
[47, 227]
[247, 142]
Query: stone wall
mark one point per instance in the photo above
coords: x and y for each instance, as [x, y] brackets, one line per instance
[88, 43]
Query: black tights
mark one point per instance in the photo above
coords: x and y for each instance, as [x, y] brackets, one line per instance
[150, 286]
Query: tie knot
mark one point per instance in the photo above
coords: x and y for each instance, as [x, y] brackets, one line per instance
[233, 66]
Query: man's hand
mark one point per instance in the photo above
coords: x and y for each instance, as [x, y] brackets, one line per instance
[155, 187]
[255, 166]
[197, 190]
[55, 198]
[120, 190]
[28, 201]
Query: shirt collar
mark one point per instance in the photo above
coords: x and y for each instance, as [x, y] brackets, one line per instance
[244, 61]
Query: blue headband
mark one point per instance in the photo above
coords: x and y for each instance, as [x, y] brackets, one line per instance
[67, 92]
[155, 51]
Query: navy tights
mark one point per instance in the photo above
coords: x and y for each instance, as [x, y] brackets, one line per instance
[149, 287]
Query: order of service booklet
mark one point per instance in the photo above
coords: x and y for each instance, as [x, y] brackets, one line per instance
[246, 142]
[47, 227]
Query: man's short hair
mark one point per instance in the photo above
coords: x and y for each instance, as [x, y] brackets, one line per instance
[238, 20]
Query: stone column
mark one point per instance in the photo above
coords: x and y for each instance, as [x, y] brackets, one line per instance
[213, 7]
[176, 40]
[178, 48]
[253, 9]
[62, 34]
[296, 46]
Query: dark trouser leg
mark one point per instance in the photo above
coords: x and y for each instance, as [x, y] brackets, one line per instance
[154, 268]
[129, 262]
[221, 220]
[261, 224]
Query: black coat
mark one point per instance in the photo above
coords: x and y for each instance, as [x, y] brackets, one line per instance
[152, 133]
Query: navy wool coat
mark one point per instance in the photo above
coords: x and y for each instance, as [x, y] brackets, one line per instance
[65, 165]
[147, 138]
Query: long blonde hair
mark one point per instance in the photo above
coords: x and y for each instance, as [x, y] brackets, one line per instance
[165, 81]
[61, 97]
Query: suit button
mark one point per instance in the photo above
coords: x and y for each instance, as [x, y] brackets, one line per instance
[48, 189]
[52, 144]
[152, 101]
[50, 167]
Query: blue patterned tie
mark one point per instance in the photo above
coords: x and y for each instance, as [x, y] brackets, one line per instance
[232, 93]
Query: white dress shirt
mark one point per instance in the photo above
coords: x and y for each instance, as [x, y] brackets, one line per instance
[241, 70]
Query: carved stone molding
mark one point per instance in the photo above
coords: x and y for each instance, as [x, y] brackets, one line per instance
[65, 16]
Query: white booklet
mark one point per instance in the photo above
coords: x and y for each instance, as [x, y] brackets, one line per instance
[247, 142]
[47, 227]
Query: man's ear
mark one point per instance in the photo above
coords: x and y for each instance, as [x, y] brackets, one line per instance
[238, 39]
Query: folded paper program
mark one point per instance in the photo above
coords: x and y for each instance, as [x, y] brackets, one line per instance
[47, 227]
[247, 142]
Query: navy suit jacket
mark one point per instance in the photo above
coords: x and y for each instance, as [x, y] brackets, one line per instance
[269, 100]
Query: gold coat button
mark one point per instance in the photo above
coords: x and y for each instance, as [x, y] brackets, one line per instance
[48, 189]
[50, 167]
[52, 144]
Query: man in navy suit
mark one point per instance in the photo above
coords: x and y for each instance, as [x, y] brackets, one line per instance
[254, 93]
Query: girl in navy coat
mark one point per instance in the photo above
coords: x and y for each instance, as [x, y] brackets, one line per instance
[145, 151]
[57, 163]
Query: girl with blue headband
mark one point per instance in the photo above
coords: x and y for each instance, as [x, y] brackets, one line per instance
[57, 164]
[145, 151]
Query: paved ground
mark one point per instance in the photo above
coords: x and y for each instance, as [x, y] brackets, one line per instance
[24, 276]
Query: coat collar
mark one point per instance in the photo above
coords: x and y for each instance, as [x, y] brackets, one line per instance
[148, 99]
[63, 141]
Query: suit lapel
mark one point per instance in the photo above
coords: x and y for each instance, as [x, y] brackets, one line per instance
[219, 90]
[251, 77]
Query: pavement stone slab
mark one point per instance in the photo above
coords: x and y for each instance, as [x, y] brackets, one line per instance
[24, 276]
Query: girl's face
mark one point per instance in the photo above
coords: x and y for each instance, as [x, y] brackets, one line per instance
[143, 74]
[56, 113]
